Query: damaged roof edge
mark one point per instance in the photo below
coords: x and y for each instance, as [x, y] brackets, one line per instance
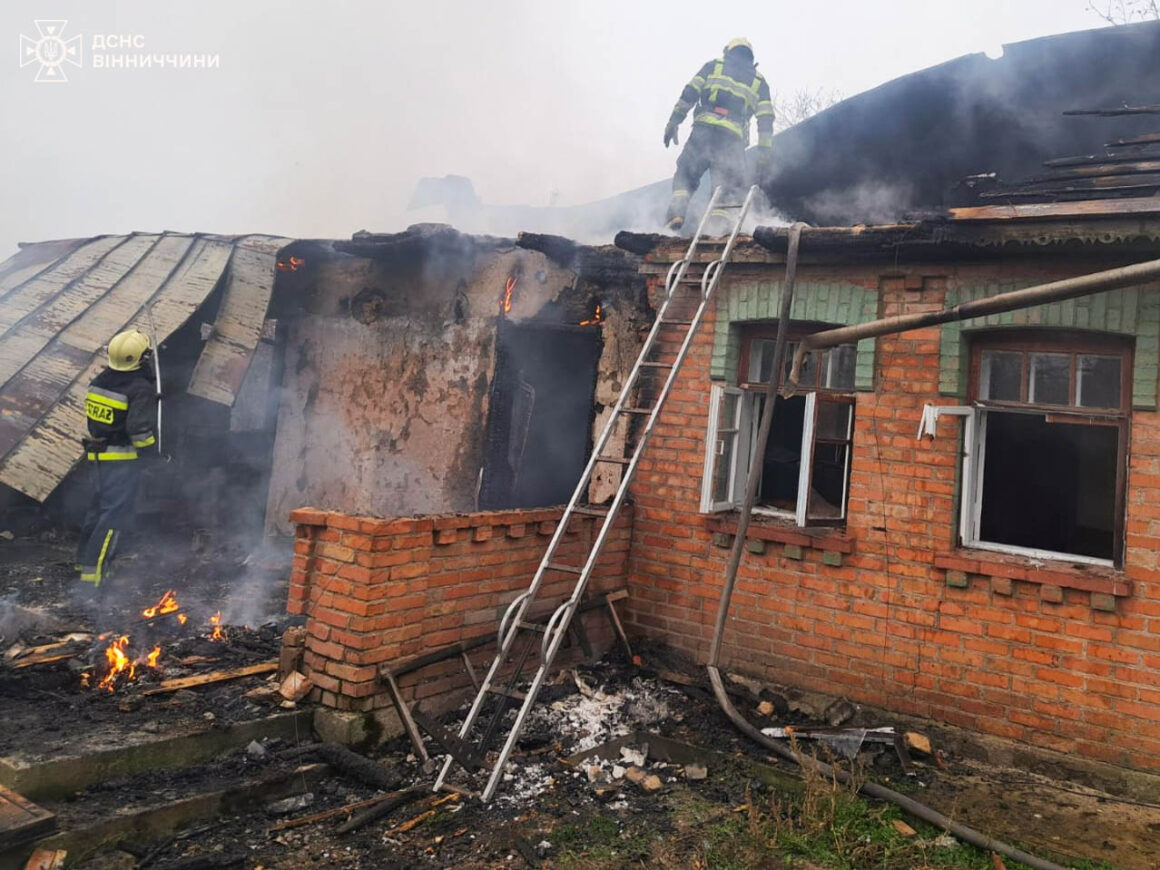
[226, 357]
[62, 302]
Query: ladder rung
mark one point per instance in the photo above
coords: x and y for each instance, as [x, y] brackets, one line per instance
[676, 323]
[532, 626]
[566, 569]
[614, 461]
[656, 365]
[636, 410]
[588, 511]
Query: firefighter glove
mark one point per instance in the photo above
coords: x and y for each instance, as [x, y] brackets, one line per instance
[671, 132]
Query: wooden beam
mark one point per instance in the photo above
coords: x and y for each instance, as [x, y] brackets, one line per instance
[21, 820]
[213, 677]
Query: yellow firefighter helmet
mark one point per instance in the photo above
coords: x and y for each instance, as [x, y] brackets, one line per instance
[739, 42]
[127, 349]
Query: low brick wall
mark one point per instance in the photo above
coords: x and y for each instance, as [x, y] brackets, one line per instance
[381, 590]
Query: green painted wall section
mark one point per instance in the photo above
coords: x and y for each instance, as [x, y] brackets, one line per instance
[1130, 311]
[743, 300]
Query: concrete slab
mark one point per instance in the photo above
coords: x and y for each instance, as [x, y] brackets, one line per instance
[157, 821]
[63, 774]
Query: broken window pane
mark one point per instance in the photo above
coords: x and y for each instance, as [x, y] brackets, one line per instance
[761, 360]
[828, 482]
[782, 460]
[1098, 381]
[833, 422]
[1050, 379]
[840, 362]
[1001, 376]
[807, 378]
[1049, 486]
[725, 448]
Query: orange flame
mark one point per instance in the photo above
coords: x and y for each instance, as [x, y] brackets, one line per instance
[119, 663]
[508, 286]
[167, 604]
[597, 316]
[182, 618]
[216, 622]
[291, 265]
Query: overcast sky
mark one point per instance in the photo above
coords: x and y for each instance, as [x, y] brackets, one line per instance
[322, 115]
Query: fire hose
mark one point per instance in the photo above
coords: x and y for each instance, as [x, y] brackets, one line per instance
[871, 789]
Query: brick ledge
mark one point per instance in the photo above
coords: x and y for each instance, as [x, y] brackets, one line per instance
[1107, 581]
[817, 538]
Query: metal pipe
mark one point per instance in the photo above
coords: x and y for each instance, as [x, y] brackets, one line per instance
[1068, 288]
[754, 478]
[871, 789]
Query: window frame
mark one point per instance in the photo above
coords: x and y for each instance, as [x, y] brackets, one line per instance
[747, 421]
[974, 437]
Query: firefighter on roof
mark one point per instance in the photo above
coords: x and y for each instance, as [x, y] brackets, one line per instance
[724, 94]
[120, 406]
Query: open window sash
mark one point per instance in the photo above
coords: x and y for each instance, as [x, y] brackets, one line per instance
[725, 443]
[824, 473]
[974, 442]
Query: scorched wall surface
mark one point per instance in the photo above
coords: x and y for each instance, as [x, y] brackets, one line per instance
[889, 610]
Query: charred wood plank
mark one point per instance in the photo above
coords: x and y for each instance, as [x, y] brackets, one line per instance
[1116, 112]
[1099, 170]
[1132, 141]
[460, 750]
[214, 677]
[383, 808]
[1097, 159]
[21, 820]
[358, 767]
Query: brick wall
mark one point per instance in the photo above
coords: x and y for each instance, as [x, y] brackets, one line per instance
[888, 611]
[376, 591]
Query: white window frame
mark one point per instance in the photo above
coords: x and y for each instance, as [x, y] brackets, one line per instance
[713, 448]
[973, 459]
[745, 435]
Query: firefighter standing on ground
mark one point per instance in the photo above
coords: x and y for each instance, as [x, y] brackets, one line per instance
[121, 407]
[727, 92]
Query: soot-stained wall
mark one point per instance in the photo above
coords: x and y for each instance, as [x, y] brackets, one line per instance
[388, 369]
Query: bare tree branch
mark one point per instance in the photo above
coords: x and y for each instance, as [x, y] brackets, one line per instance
[795, 108]
[1125, 11]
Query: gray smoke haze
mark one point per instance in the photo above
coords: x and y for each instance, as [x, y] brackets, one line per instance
[323, 116]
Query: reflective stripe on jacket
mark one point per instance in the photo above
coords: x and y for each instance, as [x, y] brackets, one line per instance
[121, 411]
[727, 95]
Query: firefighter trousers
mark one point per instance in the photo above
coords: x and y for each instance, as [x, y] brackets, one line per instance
[723, 154]
[109, 516]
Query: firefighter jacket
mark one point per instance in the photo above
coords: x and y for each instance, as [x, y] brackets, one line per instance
[727, 92]
[121, 409]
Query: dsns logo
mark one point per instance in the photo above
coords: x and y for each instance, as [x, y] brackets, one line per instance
[50, 50]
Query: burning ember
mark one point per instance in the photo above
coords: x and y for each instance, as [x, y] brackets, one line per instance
[596, 318]
[167, 604]
[121, 665]
[291, 265]
[509, 285]
[216, 622]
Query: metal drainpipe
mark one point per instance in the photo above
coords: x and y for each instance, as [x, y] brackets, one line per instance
[872, 789]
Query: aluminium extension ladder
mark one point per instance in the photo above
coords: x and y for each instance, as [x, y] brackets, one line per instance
[555, 629]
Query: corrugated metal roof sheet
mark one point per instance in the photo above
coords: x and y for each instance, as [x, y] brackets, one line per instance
[60, 303]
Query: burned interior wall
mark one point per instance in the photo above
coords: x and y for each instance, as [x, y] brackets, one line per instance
[389, 365]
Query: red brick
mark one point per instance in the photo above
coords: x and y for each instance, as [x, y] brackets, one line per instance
[306, 516]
